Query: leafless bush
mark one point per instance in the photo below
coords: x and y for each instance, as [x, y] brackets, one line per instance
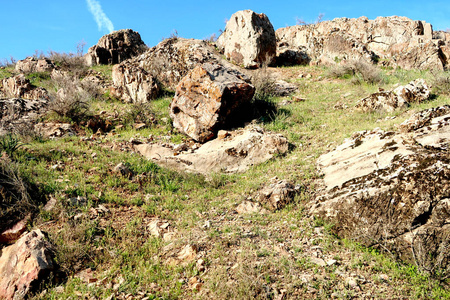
[264, 82]
[17, 197]
[441, 83]
[301, 21]
[72, 99]
[8, 63]
[359, 70]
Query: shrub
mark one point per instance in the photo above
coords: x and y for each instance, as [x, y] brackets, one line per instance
[441, 83]
[71, 99]
[359, 70]
[17, 196]
[264, 82]
[9, 144]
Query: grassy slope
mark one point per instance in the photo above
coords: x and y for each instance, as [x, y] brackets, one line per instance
[246, 256]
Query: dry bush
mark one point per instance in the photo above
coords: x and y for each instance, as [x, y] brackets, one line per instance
[441, 83]
[17, 197]
[72, 99]
[264, 82]
[69, 61]
[359, 70]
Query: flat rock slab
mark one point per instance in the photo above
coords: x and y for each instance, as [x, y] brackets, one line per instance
[235, 153]
[392, 189]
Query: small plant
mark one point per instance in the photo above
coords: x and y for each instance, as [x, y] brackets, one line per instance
[9, 144]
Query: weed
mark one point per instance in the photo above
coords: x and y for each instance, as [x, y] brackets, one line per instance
[10, 144]
[358, 70]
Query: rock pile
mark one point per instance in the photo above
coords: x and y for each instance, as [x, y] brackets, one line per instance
[248, 39]
[415, 91]
[391, 189]
[31, 65]
[115, 47]
[205, 97]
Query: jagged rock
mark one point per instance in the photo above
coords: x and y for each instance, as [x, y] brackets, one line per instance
[395, 41]
[277, 194]
[115, 47]
[20, 113]
[24, 265]
[400, 97]
[10, 235]
[54, 130]
[236, 153]
[20, 87]
[283, 88]
[391, 190]
[205, 97]
[248, 39]
[31, 65]
[134, 84]
[172, 59]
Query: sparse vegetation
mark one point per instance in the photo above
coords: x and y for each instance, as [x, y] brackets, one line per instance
[258, 256]
[358, 71]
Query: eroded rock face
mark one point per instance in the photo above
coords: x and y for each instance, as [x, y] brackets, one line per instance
[398, 41]
[134, 84]
[115, 47]
[31, 64]
[249, 39]
[206, 97]
[391, 189]
[235, 153]
[415, 91]
[16, 112]
[20, 87]
[24, 265]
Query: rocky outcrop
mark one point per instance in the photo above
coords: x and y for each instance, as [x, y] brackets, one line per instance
[133, 84]
[115, 47]
[20, 87]
[205, 97]
[248, 39]
[16, 112]
[234, 152]
[24, 265]
[391, 189]
[31, 65]
[396, 41]
[415, 91]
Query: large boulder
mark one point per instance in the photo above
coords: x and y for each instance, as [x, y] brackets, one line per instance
[415, 91]
[115, 47]
[234, 152]
[205, 97]
[391, 189]
[395, 41]
[20, 87]
[173, 58]
[248, 39]
[133, 83]
[31, 65]
[24, 265]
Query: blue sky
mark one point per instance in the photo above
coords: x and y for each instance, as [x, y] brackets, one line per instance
[46, 25]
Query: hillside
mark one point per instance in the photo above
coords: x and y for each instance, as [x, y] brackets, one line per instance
[173, 222]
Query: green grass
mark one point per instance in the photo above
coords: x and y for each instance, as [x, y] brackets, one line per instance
[246, 256]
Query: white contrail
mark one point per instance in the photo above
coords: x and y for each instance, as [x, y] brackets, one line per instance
[102, 20]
